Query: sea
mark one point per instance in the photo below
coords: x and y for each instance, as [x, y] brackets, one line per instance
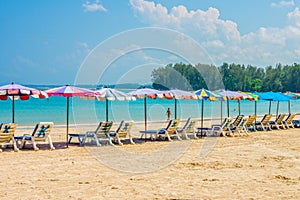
[32, 111]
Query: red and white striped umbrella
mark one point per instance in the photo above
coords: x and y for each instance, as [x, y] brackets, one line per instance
[70, 91]
[16, 91]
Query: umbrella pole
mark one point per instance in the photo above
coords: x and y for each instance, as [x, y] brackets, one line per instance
[175, 107]
[277, 110]
[67, 135]
[289, 106]
[202, 117]
[13, 109]
[221, 112]
[106, 109]
[227, 107]
[145, 116]
[239, 106]
[270, 107]
[255, 110]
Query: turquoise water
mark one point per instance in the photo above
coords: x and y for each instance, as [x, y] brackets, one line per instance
[92, 111]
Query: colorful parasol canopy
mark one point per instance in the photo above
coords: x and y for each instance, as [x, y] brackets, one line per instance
[16, 91]
[70, 91]
[144, 93]
[205, 95]
[109, 94]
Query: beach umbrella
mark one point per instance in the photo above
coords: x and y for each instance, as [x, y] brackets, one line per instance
[109, 94]
[205, 95]
[16, 91]
[177, 94]
[273, 96]
[145, 93]
[293, 96]
[230, 95]
[252, 97]
[69, 91]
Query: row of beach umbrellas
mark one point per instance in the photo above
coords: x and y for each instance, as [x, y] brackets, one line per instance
[16, 91]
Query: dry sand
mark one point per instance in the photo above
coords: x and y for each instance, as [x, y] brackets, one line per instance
[263, 165]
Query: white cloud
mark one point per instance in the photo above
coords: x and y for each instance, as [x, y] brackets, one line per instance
[283, 4]
[222, 39]
[294, 17]
[93, 7]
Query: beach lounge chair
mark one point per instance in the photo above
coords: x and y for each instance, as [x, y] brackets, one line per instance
[250, 123]
[40, 135]
[169, 131]
[240, 128]
[122, 132]
[296, 123]
[223, 129]
[219, 129]
[7, 135]
[278, 122]
[235, 125]
[288, 121]
[100, 134]
[264, 123]
[189, 127]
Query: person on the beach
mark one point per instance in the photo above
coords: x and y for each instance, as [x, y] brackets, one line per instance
[169, 113]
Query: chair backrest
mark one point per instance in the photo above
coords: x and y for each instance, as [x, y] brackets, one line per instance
[42, 130]
[280, 118]
[250, 120]
[237, 120]
[172, 126]
[243, 122]
[103, 128]
[7, 131]
[187, 123]
[266, 119]
[226, 123]
[124, 128]
[190, 125]
[290, 118]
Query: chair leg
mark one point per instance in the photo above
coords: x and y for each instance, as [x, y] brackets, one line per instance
[131, 140]
[34, 144]
[70, 138]
[50, 143]
[110, 142]
[195, 135]
[22, 143]
[96, 140]
[177, 135]
[185, 135]
[168, 136]
[15, 145]
[119, 140]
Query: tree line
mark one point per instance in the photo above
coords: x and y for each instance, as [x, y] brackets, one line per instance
[235, 77]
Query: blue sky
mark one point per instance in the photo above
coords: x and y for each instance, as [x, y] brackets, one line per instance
[46, 42]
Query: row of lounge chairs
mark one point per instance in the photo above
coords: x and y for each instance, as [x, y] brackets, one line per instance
[103, 132]
[241, 125]
[40, 135]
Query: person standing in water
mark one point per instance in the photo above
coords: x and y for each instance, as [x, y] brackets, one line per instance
[168, 113]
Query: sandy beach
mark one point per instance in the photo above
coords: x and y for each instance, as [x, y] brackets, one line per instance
[263, 165]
